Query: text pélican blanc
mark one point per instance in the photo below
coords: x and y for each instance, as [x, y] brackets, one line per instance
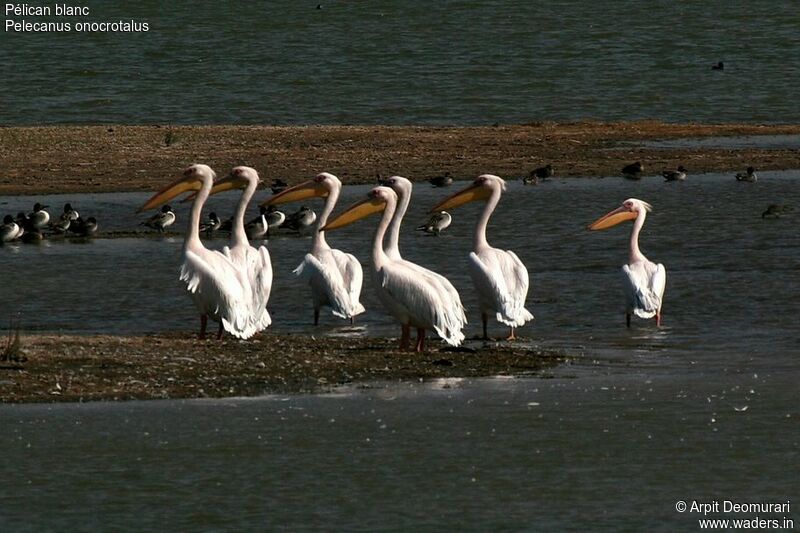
[64, 10]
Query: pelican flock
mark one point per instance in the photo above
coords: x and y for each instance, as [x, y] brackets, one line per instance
[644, 281]
[220, 288]
[232, 286]
[410, 297]
[335, 277]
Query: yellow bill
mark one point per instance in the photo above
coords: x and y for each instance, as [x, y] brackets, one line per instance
[356, 212]
[308, 189]
[613, 218]
[472, 193]
[172, 190]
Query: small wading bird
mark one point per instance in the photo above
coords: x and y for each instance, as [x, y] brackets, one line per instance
[406, 295]
[674, 175]
[301, 221]
[538, 174]
[335, 277]
[160, 221]
[254, 263]
[644, 281]
[500, 278]
[70, 213]
[437, 223]
[218, 288]
[211, 225]
[633, 171]
[748, 175]
[278, 185]
[452, 309]
[719, 66]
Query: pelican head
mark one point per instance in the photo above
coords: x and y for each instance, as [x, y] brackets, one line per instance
[239, 178]
[482, 188]
[629, 210]
[319, 187]
[192, 180]
[399, 184]
[375, 202]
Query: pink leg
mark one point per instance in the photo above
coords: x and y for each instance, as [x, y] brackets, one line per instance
[511, 336]
[420, 339]
[658, 318]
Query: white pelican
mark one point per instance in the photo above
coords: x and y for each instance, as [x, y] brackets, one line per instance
[254, 263]
[452, 307]
[437, 223]
[500, 278]
[9, 230]
[675, 175]
[644, 280]
[749, 175]
[39, 218]
[162, 220]
[335, 277]
[406, 295]
[633, 171]
[217, 286]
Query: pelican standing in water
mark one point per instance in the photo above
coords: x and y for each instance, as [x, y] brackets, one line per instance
[453, 309]
[218, 288]
[644, 281]
[500, 278]
[254, 263]
[408, 296]
[335, 277]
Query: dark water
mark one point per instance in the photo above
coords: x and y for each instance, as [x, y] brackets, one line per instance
[704, 408]
[381, 62]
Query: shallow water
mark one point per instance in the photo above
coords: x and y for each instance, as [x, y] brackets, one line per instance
[383, 62]
[702, 408]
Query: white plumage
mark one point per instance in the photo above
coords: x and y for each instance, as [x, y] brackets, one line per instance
[644, 282]
[335, 277]
[501, 280]
[412, 298]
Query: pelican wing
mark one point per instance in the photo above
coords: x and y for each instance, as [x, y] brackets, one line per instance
[260, 273]
[644, 284]
[329, 279]
[502, 280]
[353, 276]
[214, 281]
[421, 301]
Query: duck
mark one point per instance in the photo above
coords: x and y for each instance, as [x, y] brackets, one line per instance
[719, 66]
[674, 175]
[161, 220]
[84, 228]
[301, 221]
[211, 225]
[39, 217]
[776, 210]
[9, 231]
[538, 174]
[749, 175]
[278, 185]
[70, 213]
[437, 223]
[61, 226]
[633, 171]
[444, 180]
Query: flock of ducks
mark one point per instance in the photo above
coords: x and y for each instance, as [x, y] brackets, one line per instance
[635, 171]
[232, 286]
[36, 225]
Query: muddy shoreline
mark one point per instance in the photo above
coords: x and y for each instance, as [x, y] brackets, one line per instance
[118, 158]
[72, 368]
